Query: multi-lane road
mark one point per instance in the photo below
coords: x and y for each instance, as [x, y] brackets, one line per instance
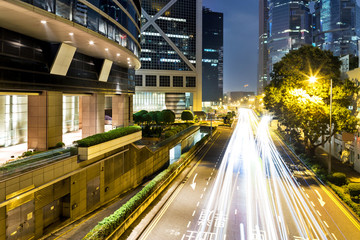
[245, 189]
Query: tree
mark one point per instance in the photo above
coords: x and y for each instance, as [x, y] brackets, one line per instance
[187, 115]
[167, 116]
[302, 106]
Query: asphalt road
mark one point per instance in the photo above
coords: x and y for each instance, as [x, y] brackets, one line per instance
[251, 188]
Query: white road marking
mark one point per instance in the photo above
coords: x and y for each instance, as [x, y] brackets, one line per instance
[194, 213]
[204, 189]
[318, 212]
[303, 189]
[207, 183]
[235, 211]
[312, 203]
[201, 196]
[188, 224]
[307, 195]
[326, 224]
[198, 203]
[242, 233]
[334, 236]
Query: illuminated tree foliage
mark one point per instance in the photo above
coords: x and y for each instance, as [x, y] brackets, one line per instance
[304, 107]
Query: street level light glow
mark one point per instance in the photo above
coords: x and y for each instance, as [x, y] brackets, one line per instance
[43, 21]
[312, 79]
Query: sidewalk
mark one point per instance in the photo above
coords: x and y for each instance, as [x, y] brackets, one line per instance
[337, 166]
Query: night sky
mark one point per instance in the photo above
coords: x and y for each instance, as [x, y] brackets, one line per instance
[241, 27]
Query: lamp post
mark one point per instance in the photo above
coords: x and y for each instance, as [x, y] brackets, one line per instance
[312, 79]
[329, 160]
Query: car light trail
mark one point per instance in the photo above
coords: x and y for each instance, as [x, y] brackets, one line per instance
[273, 199]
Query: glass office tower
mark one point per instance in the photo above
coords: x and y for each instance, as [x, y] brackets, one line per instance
[170, 76]
[262, 77]
[213, 37]
[336, 26]
[289, 27]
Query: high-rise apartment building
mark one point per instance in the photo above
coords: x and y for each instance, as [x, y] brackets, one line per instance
[171, 42]
[59, 61]
[336, 26]
[289, 27]
[212, 71]
[262, 76]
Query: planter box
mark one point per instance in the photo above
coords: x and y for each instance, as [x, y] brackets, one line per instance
[86, 153]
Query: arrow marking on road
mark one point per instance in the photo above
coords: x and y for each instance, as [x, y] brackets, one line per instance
[322, 203]
[193, 185]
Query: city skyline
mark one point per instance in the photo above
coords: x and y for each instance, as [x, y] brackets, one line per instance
[240, 29]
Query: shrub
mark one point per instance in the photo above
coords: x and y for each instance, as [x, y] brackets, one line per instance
[107, 136]
[60, 145]
[27, 153]
[338, 178]
[187, 115]
[354, 189]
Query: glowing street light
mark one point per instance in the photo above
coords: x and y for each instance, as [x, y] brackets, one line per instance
[313, 79]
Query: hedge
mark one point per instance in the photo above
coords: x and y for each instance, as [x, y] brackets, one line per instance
[354, 189]
[107, 136]
[338, 178]
[109, 224]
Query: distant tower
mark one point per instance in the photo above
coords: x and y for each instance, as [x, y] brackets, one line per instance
[336, 26]
[289, 27]
[213, 38]
[263, 48]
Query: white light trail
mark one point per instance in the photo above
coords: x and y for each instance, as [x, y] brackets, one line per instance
[275, 206]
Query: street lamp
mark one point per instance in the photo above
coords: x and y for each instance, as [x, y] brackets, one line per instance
[329, 161]
[313, 79]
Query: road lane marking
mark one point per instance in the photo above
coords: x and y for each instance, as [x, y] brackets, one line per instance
[318, 212]
[188, 224]
[235, 211]
[198, 203]
[242, 233]
[303, 189]
[164, 208]
[201, 196]
[334, 236]
[211, 174]
[330, 195]
[207, 183]
[312, 203]
[326, 224]
[204, 189]
[194, 213]
[307, 195]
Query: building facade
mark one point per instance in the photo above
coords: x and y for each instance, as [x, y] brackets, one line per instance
[212, 56]
[289, 27]
[171, 42]
[336, 26]
[59, 60]
[262, 76]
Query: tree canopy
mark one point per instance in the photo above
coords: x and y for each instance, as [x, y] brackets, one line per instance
[187, 115]
[304, 107]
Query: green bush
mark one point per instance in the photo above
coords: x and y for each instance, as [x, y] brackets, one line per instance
[354, 189]
[169, 134]
[107, 136]
[338, 178]
[187, 115]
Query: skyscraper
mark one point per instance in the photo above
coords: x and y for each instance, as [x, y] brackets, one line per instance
[336, 26]
[212, 72]
[171, 44]
[263, 46]
[289, 27]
